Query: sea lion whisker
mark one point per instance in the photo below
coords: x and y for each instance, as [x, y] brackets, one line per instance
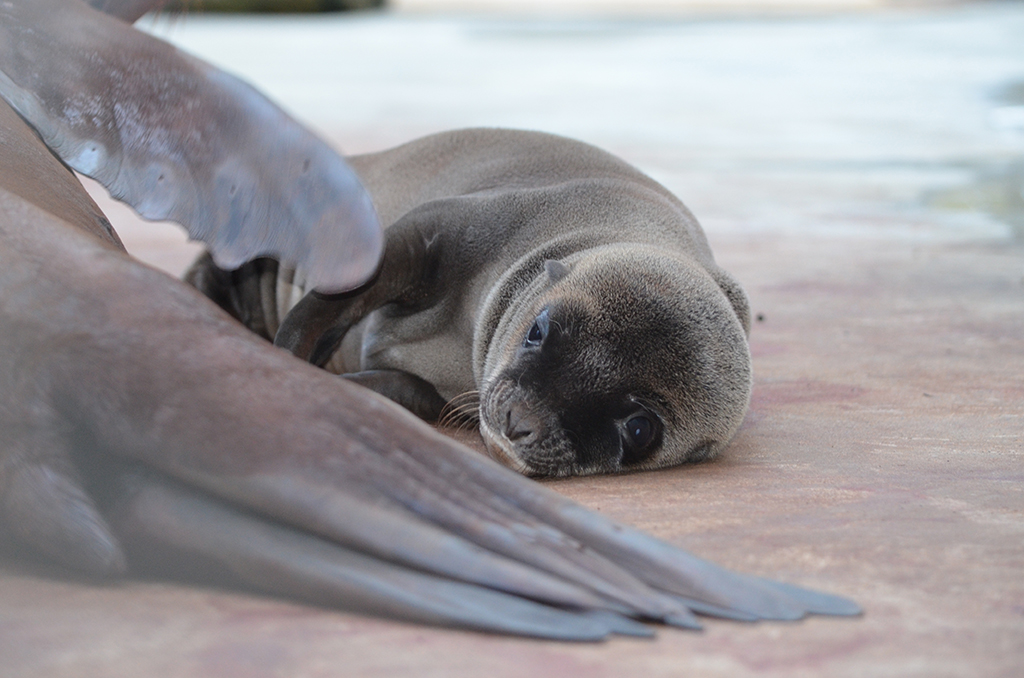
[462, 412]
[453, 419]
[470, 407]
[462, 421]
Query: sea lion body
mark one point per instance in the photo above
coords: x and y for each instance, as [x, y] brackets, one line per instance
[577, 295]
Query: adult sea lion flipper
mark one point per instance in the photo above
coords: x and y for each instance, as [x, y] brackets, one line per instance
[180, 140]
[180, 532]
[41, 498]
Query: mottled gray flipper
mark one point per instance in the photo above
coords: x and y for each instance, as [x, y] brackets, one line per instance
[178, 139]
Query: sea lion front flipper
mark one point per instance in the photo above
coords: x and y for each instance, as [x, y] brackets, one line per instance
[411, 392]
[178, 139]
[409, 275]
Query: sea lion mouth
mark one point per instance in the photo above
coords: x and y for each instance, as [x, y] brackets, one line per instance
[522, 434]
[501, 450]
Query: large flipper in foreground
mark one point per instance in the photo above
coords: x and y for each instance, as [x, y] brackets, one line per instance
[180, 140]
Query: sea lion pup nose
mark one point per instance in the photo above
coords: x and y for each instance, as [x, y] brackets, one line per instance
[575, 296]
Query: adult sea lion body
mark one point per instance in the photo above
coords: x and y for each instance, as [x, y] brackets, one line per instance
[138, 419]
[575, 294]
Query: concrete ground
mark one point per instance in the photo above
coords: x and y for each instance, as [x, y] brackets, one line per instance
[861, 174]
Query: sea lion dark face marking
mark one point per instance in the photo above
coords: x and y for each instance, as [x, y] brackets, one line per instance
[625, 365]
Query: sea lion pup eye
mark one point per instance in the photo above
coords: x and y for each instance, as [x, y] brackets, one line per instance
[538, 331]
[639, 433]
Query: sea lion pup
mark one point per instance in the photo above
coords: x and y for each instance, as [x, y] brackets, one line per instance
[577, 295]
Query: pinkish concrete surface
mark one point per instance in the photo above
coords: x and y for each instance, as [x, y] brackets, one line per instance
[881, 459]
[857, 176]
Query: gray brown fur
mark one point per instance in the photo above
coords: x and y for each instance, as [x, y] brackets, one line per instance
[486, 229]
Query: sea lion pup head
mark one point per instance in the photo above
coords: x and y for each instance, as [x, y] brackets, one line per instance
[618, 358]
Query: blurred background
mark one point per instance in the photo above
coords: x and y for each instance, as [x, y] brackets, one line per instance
[804, 115]
[621, 7]
[281, 6]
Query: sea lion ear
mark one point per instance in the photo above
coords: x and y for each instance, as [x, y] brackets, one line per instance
[556, 270]
[737, 297]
